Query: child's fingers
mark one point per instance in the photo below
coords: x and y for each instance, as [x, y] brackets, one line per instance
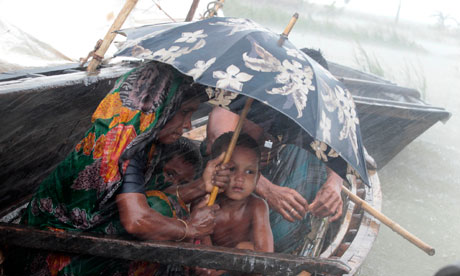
[214, 162]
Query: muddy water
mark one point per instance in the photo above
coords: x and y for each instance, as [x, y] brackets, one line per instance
[421, 185]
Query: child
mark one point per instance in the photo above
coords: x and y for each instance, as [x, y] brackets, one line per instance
[242, 220]
[180, 162]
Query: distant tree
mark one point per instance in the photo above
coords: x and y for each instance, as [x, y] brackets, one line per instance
[397, 13]
[441, 19]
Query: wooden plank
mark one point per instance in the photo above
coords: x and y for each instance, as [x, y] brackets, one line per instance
[367, 232]
[168, 252]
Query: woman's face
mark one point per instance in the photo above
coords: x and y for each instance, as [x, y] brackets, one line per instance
[173, 129]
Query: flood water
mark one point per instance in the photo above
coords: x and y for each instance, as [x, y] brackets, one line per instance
[421, 185]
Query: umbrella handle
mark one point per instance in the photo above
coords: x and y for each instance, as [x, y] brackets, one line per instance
[231, 146]
[288, 29]
[390, 223]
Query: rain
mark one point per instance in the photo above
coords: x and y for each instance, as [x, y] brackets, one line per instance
[412, 44]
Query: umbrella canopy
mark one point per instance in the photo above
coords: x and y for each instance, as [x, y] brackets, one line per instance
[239, 55]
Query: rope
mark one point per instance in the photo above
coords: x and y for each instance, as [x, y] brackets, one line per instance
[212, 8]
[92, 54]
[159, 7]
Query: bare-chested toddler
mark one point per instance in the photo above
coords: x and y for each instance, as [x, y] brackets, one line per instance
[243, 218]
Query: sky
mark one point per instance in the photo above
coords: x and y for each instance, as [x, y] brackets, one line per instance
[73, 27]
[411, 10]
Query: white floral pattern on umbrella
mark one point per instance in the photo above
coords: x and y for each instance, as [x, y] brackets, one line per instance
[339, 100]
[325, 125]
[200, 67]
[170, 55]
[295, 53]
[320, 149]
[220, 97]
[295, 78]
[191, 37]
[232, 78]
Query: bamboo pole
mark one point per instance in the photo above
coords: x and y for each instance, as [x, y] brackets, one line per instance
[390, 223]
[192, 10]
[100, 52]
[288, 29]
[231, 146]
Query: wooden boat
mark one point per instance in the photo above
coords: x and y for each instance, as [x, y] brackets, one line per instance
[37, 103]
[390, 116]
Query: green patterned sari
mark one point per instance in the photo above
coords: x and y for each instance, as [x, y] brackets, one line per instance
[79, 194]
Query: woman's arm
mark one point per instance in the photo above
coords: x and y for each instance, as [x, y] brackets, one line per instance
[140, 220]
[261, 231]
[286, 201]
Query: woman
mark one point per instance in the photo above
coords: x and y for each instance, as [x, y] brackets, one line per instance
[92, 189]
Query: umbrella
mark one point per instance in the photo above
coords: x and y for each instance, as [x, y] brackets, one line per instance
[239, 57]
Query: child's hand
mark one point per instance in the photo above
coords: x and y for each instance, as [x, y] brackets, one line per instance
[216, 174]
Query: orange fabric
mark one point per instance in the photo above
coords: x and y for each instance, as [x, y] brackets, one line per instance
[117, 139]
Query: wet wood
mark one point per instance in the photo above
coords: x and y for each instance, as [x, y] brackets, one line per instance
[368, 229]
[288, 29]
[192, 10]
[343, 229]
[117, 24]
[169, 252]
[390, 223]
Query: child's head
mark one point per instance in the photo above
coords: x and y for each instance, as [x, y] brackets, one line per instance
[244, 164]
[181, 161]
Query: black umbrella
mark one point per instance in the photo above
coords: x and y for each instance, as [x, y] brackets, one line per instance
[239, 57]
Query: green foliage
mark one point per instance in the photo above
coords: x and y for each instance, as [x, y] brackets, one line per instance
[367, 63]
[411, 75]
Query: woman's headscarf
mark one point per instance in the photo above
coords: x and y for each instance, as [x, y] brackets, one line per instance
[128, 120]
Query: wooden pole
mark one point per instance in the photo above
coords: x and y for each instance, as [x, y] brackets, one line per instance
[388, 222]
[99, 54]
[231, 146]
[288, 29]
[192, 10]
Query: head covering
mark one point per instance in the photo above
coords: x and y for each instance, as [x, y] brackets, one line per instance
[78, 193]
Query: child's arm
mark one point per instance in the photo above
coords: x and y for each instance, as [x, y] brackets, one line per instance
[261, 231]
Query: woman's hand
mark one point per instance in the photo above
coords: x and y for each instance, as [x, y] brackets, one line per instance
[328, 200]
[202, 219]
[286, 201]
[216, 174]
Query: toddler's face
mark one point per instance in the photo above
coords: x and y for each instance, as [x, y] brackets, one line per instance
[245, 168]
[177, 171]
